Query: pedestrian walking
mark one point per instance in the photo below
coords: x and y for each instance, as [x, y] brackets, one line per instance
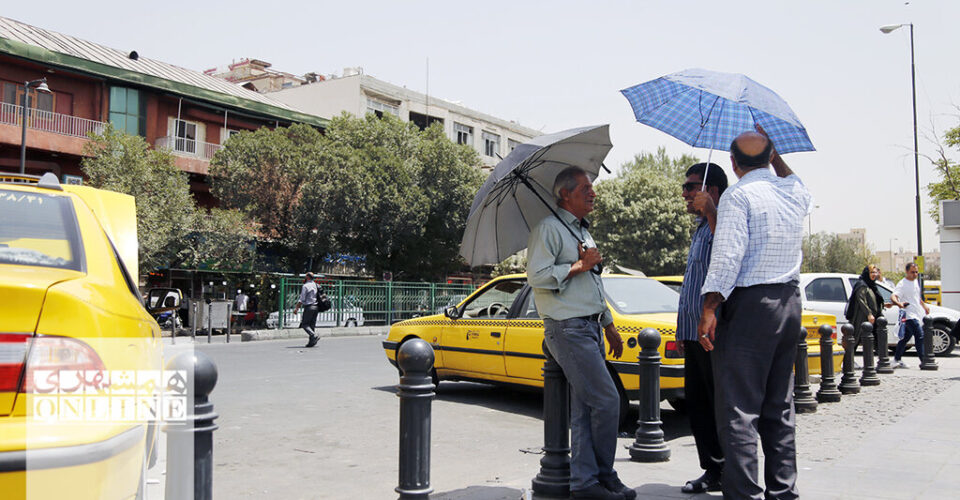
[565, 277]
[309, 293]
[751, 316]
[865, 303]
[698, 368]
[909, 299]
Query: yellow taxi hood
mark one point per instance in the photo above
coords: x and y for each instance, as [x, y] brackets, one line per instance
[22, 289]
[117, 214]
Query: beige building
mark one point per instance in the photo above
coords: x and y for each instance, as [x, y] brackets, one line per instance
[256, 75]
[857, 235]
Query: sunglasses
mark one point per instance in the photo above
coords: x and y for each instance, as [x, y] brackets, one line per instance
[691, 186]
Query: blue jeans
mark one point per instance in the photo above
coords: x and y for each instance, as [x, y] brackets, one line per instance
[577, 345]
[911, 328]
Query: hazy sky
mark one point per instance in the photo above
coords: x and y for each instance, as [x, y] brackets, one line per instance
[559, 64]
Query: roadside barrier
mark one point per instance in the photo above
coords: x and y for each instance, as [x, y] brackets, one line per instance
[553, 480]
[869, 376]
[848, 383]
[649, 445]
[190, 443]
[828, 392]
[416, 391]
[928, 362]
[882, 345]
[803, 401]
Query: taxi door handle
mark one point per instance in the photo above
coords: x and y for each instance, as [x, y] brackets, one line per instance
[494, 334]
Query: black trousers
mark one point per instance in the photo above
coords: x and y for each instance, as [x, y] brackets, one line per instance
[699, 393]
[754, 354]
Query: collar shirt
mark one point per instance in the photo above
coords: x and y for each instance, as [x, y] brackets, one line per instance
[551, 251]
[909, 291]
[759, 232]
[691, 301]
[308, 294]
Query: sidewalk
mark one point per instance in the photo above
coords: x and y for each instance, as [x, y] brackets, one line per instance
[275, 334]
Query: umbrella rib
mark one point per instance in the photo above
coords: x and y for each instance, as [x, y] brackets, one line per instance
[703, 123]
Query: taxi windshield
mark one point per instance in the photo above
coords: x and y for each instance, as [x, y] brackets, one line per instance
[630, 295]
[38, 230]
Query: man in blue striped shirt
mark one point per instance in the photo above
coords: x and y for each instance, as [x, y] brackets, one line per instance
[754, 272]
[698, 371]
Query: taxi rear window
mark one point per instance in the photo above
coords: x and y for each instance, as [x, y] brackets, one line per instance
[39, 230]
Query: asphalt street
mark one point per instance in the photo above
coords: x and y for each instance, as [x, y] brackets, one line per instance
[323, 423]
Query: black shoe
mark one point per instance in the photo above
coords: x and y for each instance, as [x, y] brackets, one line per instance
[596, 492]
[313, 340]
[617, 486]
[707, 482]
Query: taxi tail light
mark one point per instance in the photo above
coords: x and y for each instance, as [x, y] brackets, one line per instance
[13, 353]
[670, 349]
[53, 354]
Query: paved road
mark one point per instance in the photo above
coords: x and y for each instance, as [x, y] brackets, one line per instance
[322, 423]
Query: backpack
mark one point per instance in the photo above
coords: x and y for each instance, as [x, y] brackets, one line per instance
[323, 302]
[848, 309]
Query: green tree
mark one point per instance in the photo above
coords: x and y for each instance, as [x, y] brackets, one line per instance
[640, 219]
[124, 163]
[948, 187]
[220, 239]
[828, 253]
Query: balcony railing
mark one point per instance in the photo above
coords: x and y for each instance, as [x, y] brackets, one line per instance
[188, 147]
[48, 121]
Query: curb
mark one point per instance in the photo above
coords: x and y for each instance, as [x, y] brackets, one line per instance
[297, 333]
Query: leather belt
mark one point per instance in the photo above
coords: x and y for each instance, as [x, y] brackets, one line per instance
[595, 318]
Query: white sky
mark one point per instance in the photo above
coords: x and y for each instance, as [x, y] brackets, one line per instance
[557, 64]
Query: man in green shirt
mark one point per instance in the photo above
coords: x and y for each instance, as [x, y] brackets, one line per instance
[563, 271]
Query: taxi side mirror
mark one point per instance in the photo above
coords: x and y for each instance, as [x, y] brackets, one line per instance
[452, 312]
[163, 299]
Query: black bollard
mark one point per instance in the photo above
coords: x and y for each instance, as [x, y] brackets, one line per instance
[928, 363]
[554, 477]
[649, 445]
[848, 383]
[882, 345]
[415, 359]
[803, 401]
[869, 377]
[828, 392]
[190, 442]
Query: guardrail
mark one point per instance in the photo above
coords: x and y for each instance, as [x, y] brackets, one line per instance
[48, 121]
[188, 147]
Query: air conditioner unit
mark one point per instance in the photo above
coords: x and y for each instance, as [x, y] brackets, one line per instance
[950, 214]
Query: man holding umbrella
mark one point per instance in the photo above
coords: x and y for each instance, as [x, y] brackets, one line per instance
[563, 269]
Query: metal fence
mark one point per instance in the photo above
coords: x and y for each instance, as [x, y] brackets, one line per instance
[50, 122]
[377, 302]
[188, 147]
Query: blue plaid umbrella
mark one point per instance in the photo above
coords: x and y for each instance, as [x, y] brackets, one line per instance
[709, 109]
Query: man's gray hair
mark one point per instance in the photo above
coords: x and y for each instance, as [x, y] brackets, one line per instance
[566, 180]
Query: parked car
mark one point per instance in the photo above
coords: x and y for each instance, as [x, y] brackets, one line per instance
[351, 315]
[830, 291]
[69, 301]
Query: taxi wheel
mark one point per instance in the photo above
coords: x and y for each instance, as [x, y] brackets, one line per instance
[943, 343]
[624, 400]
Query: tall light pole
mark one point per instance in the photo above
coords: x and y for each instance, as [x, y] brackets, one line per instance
[916, 151]
[893, 262]
[41, 86]
[810, 221]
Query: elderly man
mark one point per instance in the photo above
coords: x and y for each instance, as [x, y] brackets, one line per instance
[564, 273]
[698, 370]
[754, 272]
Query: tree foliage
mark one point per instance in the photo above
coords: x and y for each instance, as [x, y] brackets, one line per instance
[948, 187]
[640, 219]
[828, 253]
[221, 239]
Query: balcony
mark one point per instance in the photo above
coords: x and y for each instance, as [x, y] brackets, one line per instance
[47, 121]
[188, 147]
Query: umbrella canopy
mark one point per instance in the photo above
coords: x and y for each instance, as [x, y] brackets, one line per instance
[709, 109]
[518, 193]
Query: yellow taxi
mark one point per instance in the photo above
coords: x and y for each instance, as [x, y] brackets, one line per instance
[70, 316]
[810, 320]
[496, 335]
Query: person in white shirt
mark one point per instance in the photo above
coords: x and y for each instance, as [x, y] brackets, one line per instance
[907, 297]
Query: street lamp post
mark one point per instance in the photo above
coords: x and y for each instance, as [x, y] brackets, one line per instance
[41, 86]
[893, 262]
[810, 221]
[916, 151]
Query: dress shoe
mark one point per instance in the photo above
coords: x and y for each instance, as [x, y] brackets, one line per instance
[709, 481]
[617, 486]
[313, 340]
[596, 491]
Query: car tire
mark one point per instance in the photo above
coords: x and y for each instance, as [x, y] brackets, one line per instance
[350, 323]
[624, 399]
[943, 343]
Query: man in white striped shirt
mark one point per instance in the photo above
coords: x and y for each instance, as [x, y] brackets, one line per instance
[751, 318]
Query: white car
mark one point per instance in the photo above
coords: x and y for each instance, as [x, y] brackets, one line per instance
[351, 315]
[828, 292]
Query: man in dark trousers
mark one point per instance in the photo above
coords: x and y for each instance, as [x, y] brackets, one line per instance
[309, 294]
[754, 273]
[568, 291]
[698, 370]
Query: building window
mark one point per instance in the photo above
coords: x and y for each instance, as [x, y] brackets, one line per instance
[379, 108]
[13, 94]
[128, 110]
[511, 145]
[464, 133]
[491, 144]
[186, 137]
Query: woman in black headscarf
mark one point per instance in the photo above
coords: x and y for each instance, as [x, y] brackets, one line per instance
[866, 304]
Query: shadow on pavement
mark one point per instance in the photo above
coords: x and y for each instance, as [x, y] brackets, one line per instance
[516, 400]
[479, 493]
